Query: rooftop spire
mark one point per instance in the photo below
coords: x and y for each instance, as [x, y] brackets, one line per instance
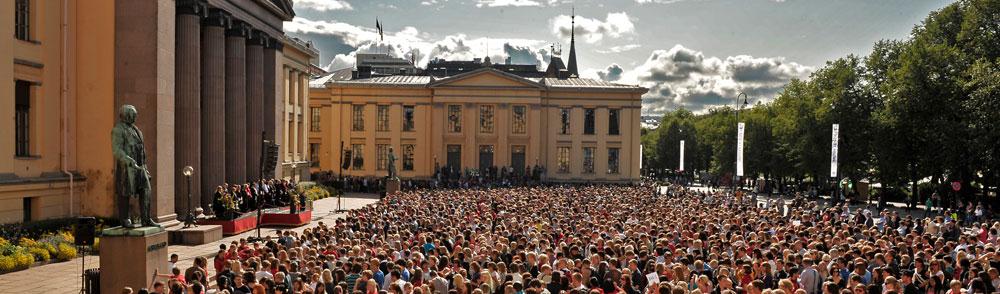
[571, 63]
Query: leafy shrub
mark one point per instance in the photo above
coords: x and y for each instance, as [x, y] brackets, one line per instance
[25, 242]
[316, 192]
[51, 248]
[66, 252]
[39, 253]
[15, 258]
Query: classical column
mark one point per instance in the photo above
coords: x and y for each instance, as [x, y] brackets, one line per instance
[255, 101]
[187, 91]
[213, 106]
[236, 108]
[270, 90]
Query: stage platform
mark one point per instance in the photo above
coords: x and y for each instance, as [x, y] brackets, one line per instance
[243, 223]
[281, 217]
[268, 217]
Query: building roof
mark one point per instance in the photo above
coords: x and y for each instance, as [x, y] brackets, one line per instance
[390, 81]
[584, 83]
[428, 81]
[337, 75]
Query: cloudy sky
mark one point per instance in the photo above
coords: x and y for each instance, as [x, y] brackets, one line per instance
[690, 53]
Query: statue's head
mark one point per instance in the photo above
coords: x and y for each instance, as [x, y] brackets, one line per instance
[127, 114]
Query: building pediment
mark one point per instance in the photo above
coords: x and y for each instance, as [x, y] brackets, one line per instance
[485, 78]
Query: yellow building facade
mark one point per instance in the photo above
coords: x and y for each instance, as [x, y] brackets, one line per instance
[70, 64]
[577, 129]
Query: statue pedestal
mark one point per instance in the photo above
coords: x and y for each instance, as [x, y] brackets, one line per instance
[131, 257]
[391, 186]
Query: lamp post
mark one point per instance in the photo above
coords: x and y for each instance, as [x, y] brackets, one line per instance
[190, 219]
[737, 112]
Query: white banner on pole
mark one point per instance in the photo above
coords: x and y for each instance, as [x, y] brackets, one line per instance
[833, 151]
[739, 151]
[640, 156]
[682, 155]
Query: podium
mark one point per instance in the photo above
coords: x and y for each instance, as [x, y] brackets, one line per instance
[391, 186]
[132, 257]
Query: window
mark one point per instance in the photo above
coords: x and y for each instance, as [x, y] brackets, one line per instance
[588, 160]
[408, 156]
[485, 157]
[359, 158]
[383, 118]
[455, 118]
[588, 121]
[563, 157]
[22, 118]
[613, 160]
[382, 157]
[486, 119]
[22, 20]
[613, 122]
[408, 118]
[564, 118]
[314, 114]
[314, 154]
[358, 118]
[520, 125]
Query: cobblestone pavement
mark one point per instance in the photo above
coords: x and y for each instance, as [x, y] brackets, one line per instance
[64, 277]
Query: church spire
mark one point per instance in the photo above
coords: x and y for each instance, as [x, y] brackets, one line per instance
[571, 66]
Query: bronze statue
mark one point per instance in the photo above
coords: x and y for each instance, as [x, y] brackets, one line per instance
[392, 164]
[131, 175]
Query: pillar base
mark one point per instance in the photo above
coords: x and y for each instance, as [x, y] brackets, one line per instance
[132, 257]
[391, 186]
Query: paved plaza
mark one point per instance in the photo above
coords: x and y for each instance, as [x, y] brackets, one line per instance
[64, 277]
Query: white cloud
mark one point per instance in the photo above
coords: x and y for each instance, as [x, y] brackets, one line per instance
[410, 42]
[658, 1]
[620, 49]
[323, 5]
[593, 30]
[504, 3]
[682, 77]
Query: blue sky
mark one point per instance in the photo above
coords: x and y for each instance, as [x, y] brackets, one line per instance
[690, 53]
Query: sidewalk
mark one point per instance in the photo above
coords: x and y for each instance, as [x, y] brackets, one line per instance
[64, 277]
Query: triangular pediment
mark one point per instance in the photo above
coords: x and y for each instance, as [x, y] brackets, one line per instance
[486, 77]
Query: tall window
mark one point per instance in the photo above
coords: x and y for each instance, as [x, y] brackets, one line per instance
[22, 20]
[613, 160]
[314, 154]
[408, 156]
[22, 118]
[455, 118]
[520, 118]
[486, 119]
[564, 118]
[314, 116]
[358, 118]
[408, 118]
[359, 158]
[383, 118]
[588, 121]
[613, 121]
[563, 159]
[382, 157]
[588, 160]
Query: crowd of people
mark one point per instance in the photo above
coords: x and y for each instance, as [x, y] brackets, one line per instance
[613, 239]
[232, 200]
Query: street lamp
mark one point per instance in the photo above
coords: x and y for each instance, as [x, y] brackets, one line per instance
[737, 112]
[190, 220]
